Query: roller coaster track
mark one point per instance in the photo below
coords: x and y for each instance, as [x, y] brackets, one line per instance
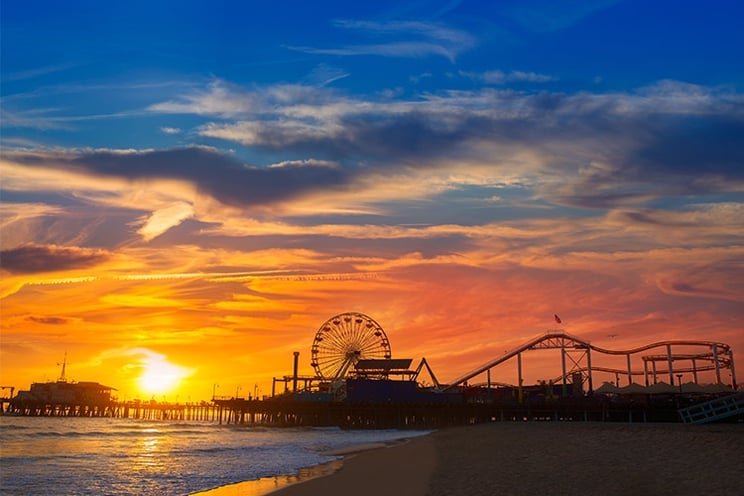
[720, 355]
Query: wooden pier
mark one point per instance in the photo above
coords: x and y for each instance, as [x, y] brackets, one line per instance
[287, 411]
[134, 409]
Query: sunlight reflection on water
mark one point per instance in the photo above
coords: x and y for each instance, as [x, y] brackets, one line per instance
[77, 456]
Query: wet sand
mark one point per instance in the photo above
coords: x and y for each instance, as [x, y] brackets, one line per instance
[544, 458]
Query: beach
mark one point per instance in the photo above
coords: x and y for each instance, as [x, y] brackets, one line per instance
[545, 458]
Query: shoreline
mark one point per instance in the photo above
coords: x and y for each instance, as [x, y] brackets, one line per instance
[269, 485]
[400, 467]
[527, 458]
[275, 484]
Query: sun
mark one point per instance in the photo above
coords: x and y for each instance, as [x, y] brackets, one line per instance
[160, 376]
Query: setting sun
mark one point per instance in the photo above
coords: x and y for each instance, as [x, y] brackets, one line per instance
[160, 376]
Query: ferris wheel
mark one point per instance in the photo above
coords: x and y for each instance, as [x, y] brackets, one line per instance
[345, 339]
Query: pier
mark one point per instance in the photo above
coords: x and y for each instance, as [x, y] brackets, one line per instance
[358, 384]
[134, 409]
[469, 406]
[286, 411]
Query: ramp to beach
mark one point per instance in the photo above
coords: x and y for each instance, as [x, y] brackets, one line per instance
[714, 410]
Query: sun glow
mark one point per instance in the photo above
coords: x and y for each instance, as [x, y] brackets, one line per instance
[160, 376]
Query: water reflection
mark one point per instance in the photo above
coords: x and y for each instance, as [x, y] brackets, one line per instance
[149, 457]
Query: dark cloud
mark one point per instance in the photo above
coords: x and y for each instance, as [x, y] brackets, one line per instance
[694, 146]
[218, 175]
[679, 141]
[31, 259]
[720, 280]
[47, 320]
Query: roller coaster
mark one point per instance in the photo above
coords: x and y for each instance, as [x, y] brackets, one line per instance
[676, 357]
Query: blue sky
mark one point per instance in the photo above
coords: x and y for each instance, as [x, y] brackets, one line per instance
[572, 148]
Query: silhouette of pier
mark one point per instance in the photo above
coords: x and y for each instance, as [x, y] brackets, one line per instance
[134, 409]
[358, 384]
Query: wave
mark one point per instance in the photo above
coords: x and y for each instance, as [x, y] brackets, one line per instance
[11, 428]
[114, 433]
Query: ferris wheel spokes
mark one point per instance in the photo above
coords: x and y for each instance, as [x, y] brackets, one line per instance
[345, 339]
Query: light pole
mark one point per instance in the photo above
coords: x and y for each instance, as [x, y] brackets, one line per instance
[214, 391]
[237, 391]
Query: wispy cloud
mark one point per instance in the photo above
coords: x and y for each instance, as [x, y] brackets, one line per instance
[40, 108]
[501, 77]
[55, 118]
[324, 74]
[401, 39]
[35, 72]
[38, 118]
[548, 16]
[165, 218]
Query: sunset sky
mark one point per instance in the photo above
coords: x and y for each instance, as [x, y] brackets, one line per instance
[190, 189]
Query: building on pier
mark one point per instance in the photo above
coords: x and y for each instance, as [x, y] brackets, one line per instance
[64, 398]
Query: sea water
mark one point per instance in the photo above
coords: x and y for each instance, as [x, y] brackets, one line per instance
[86, 456]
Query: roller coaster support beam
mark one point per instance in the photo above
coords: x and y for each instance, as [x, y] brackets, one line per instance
[423, 363]
[589, 368]
[733, 372]
[715, 361]
[669, 364]
[563, 369]
[488, 394]
[519, 377]
[630, 371]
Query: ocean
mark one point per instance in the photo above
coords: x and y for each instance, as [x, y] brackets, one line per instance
[107, 456]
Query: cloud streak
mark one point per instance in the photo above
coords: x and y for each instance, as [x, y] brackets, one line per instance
[406, 39]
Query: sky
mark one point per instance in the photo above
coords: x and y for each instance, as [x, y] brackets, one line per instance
[189, 190]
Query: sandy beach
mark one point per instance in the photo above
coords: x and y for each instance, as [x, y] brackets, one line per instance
[550, 458]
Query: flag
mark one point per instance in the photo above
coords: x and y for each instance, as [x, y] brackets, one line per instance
[557, 319]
